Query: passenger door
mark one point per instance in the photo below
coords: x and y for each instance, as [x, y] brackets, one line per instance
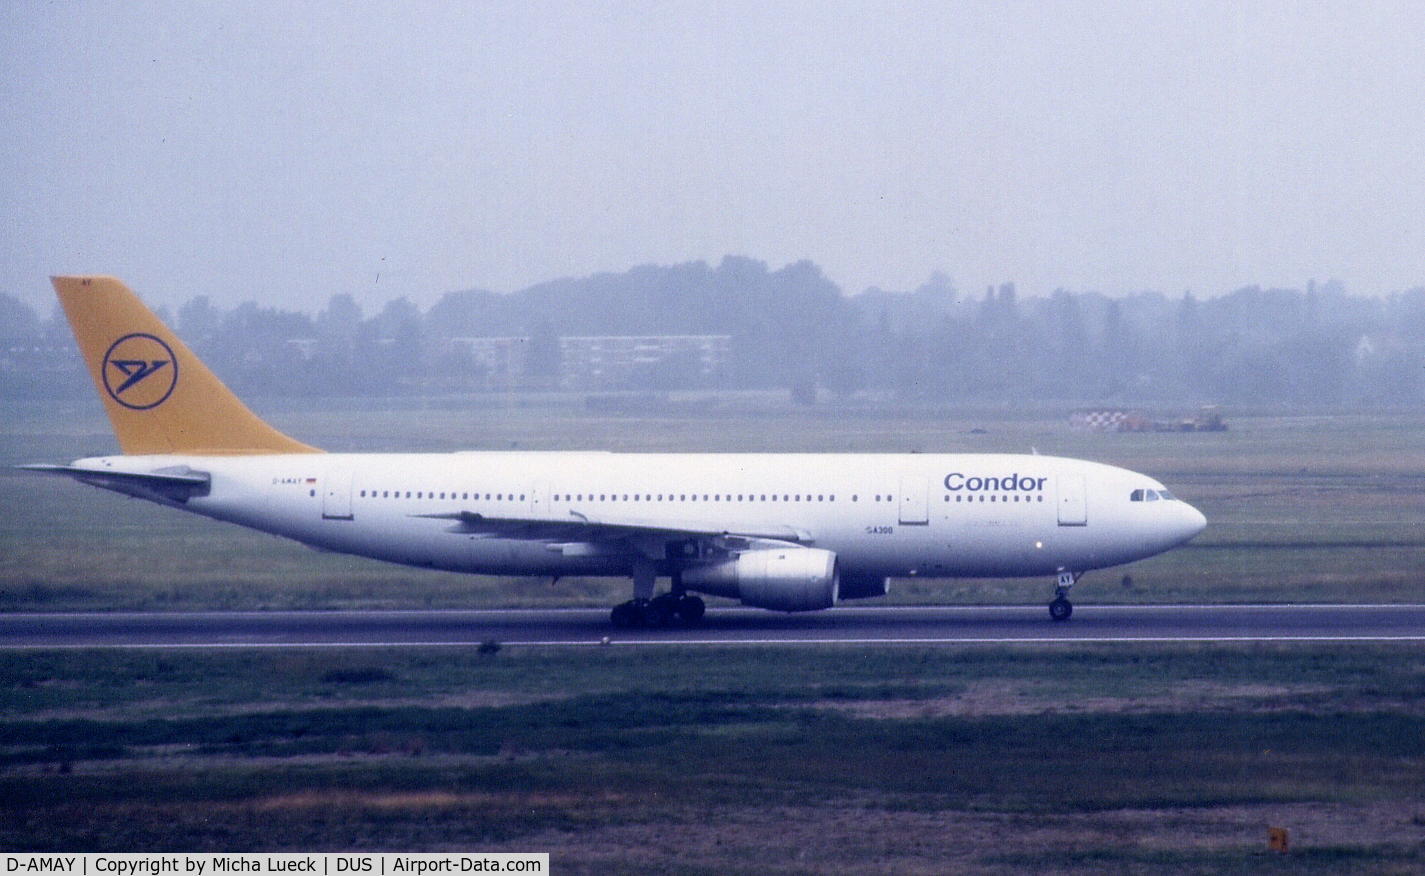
[1073, 501]
[336, 495]
[914, 499]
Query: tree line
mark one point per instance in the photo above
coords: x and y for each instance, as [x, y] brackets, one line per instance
[794, 329]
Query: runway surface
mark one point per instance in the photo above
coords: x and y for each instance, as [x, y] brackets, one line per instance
[722, 626]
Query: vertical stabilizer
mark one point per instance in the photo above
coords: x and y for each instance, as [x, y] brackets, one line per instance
[159, 396]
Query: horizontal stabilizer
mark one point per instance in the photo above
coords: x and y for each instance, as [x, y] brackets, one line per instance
[178, 484]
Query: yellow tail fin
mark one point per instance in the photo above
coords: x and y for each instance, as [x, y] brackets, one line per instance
[159, 396]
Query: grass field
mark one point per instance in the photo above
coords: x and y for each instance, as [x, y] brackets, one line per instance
[1301, 508]
[1127, 758]
[735, 760]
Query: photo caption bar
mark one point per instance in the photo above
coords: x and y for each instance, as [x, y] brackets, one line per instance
[317, 864]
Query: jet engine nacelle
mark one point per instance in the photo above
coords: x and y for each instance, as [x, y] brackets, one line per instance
[782, 579]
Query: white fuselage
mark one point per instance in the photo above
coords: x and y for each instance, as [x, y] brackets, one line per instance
[930, 515]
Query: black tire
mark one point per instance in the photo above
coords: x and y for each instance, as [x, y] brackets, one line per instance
[1061, 609]
[623, 616]
[656, 613]
[691, 609]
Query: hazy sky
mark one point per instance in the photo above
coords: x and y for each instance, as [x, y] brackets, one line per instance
[290, 151]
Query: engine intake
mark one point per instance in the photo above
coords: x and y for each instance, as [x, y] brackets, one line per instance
[782, 579]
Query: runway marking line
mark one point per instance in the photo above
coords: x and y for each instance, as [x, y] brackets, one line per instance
[1061, 640]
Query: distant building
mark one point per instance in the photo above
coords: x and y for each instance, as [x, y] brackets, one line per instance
[306, 347]
[501, 360]
[599, 361]
[624, 361]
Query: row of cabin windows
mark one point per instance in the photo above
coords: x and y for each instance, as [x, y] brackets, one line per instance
[981, 498]
[1138, 496]
[704, 497]
[625, 497]
[423, 494]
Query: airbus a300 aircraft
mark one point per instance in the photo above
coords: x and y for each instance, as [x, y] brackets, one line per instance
[789, 532]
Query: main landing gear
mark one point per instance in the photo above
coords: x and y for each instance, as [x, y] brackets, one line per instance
[1061, 609]
[660, 611]
[647, 610]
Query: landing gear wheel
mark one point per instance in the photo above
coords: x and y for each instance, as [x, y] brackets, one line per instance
[1061, 609]
[624, 615]
[655, 612]
[660, 611]
[691, 609]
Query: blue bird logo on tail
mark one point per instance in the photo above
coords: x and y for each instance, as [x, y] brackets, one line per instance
[140, 371]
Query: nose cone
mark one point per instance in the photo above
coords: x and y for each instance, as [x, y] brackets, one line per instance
[1191, 522]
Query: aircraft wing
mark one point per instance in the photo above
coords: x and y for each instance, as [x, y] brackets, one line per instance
[178, 484]
[579, 528]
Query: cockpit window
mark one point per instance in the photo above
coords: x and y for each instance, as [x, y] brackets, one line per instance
[1151, 496]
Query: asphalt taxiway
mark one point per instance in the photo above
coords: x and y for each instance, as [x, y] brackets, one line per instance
[863, 625]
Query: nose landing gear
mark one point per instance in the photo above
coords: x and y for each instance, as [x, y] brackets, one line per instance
[1061, 609]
